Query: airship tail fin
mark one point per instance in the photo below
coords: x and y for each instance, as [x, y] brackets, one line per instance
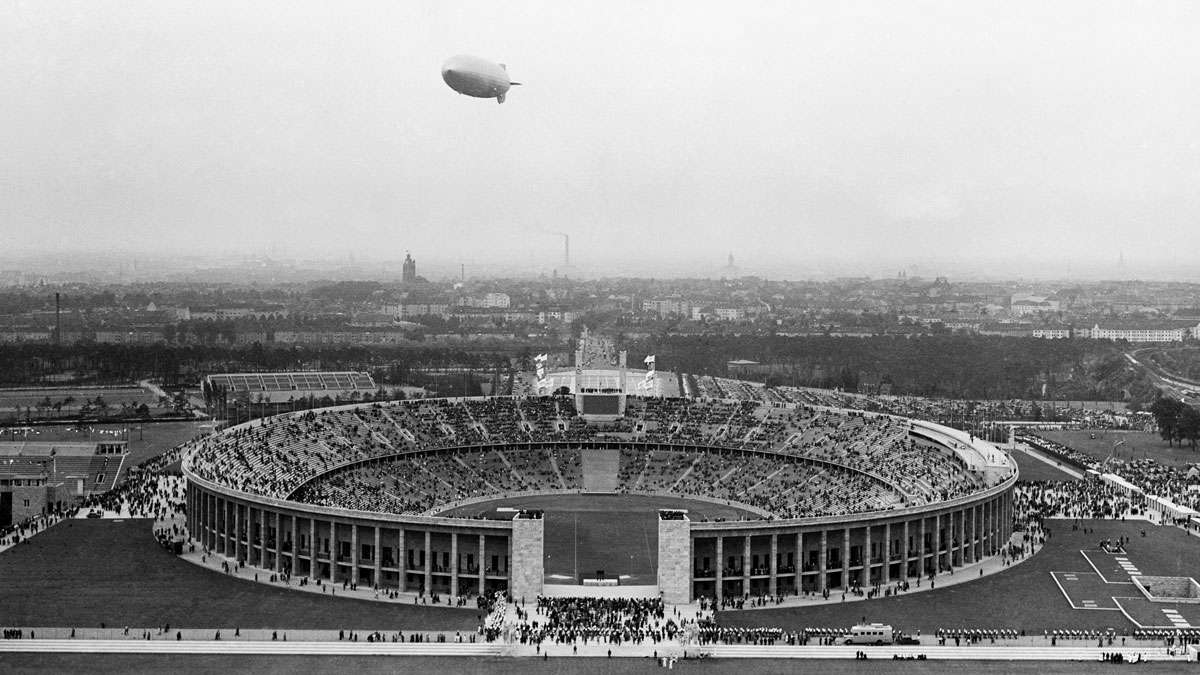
[500, 98]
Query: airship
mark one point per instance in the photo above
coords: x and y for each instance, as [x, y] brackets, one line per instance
[477, 77]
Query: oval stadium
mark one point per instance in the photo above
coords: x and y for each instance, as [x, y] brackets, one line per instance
[600, 489]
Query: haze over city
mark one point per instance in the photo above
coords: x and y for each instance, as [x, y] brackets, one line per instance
[976, 139]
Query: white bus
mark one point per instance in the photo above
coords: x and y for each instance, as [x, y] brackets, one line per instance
[869, 634]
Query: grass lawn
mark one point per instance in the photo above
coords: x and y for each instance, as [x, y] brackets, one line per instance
[1022, 597]
[84, 572]
[614, 533]
[1138, 444]
[19, 399]
[1032, 469]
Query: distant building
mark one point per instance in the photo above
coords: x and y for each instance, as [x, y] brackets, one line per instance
[664, 307]
[1022, 305]
[409, 270]
[1144, 332]
[1052, 332]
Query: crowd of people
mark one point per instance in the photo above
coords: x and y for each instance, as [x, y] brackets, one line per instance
[571, 620]
[1086, 498]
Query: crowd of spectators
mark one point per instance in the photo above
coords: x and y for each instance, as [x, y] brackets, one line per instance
[790, 461]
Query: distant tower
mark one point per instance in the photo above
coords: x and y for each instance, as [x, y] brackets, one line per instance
[409, 273]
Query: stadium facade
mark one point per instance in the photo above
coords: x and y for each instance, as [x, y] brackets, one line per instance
[281, 493]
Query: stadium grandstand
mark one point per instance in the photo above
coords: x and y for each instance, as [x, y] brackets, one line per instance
[280, 387]
[39, 477]
[369, 484]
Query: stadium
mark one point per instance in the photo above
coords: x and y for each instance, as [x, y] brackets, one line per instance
[457, 497]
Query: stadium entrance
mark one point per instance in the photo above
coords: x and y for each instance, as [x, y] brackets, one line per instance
[587, 534]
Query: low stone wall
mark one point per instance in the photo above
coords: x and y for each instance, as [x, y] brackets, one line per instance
[1169, 589]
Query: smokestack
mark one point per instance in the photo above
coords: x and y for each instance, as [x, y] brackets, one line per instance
[566, 250]
[57, 319]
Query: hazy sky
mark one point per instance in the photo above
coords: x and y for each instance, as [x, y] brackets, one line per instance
[787, 133]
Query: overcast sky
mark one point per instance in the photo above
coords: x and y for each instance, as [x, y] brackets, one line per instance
[786, 133]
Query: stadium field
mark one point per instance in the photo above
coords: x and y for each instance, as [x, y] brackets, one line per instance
[1024, 597]
[591, 532]
[288, 665]
[1138, 445]
[1033, 469]
[145, 440]
[88, 572]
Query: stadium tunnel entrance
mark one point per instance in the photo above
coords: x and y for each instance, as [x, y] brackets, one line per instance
[593, 536]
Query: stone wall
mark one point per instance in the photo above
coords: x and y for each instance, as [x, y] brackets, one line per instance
[527, 568]
[674, 560]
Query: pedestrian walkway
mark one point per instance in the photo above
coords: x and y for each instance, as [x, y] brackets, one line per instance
[296, 645]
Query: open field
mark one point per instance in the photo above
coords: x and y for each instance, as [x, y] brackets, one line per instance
[1138, 444]
[88, 572]
[1032, 469]
[289, 665]
[12, 399]
[1024, 597]
[614, 533]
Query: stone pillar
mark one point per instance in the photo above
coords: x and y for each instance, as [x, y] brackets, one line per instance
[720, 569]
[991, 525]
[921, 547]
[237, 531]
[799, 562]
[968, 528]
[354, 553]
[823, 563]
[937, 542]
[1008, 516]
[333, 552]
[961, 517]
[212, 522]
[314, 571]
[674, 560]
[866, 580]
[886, 574]
[845, 558]
[377, 577]
[278, 542]
[773, 566]
[482, 565]
[225, 526]
[951, 533]
[427, 587]
[295, 545]
[262, 539]
[402, 560]
[904, 552]
[746, 565]
[453, 564]
[526, 570]
[977, 523]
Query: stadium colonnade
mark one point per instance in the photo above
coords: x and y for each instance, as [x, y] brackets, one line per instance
[717, 559]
